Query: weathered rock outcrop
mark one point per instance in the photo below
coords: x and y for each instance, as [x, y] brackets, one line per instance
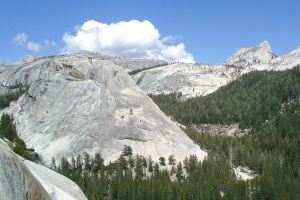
[77, 104]
[245, 57]
[189, 79]
[130, 64]
[22, 179]
[17, 182]
[284, 62]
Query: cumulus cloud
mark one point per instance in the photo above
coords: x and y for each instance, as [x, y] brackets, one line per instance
[21, 40]
[128, 39]
[170, 39]
[177, 53]
[48, 44]
[33, 46]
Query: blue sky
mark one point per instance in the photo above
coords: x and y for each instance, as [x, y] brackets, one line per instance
[199, 31]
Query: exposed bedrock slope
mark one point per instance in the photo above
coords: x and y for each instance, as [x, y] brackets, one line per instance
[81, 105]
[22, 179]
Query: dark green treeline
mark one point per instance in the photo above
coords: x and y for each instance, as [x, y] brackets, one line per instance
[140, 178]
[250, 100]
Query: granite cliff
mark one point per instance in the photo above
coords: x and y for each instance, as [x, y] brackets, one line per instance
[81, 102]
[22, 179]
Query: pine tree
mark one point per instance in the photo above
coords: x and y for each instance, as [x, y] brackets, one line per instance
[171, 159]
[138, 168]
[97, 163]
[127, 151]
[150, 165]
[79, 163]
[179, 171]
[122, 162]
[156, 167]
[87, 161]
[7, 128]
[162, 161]
[53, 163]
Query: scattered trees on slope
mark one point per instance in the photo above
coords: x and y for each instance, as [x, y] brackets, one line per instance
[6, 99]
[8, 128]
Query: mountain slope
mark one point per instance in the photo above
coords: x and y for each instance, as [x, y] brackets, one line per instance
[77, 104]
[189, 79]
[16, 180]
[56, 185]
[283, 62]
[22, 179]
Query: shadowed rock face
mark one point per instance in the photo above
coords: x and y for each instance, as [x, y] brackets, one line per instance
[75, 104]
[17, 182]
[22, 179]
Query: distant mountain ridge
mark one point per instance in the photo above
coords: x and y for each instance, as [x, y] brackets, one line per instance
[195, 80]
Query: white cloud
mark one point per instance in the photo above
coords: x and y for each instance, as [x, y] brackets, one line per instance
[21, 40]
[177, 53]
[33, 46]
[48, 44]
[171, 39]
[129, 39]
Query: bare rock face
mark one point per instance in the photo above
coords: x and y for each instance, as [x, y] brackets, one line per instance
[188, 79]
[280, 63]
[22, 179]
[56, 185]
[130, 64]
[17, 182]
[245, 57]
[77, 104]
[28, 59]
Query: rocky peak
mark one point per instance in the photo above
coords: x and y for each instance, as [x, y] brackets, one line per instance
[283, 62]
[245, 57]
